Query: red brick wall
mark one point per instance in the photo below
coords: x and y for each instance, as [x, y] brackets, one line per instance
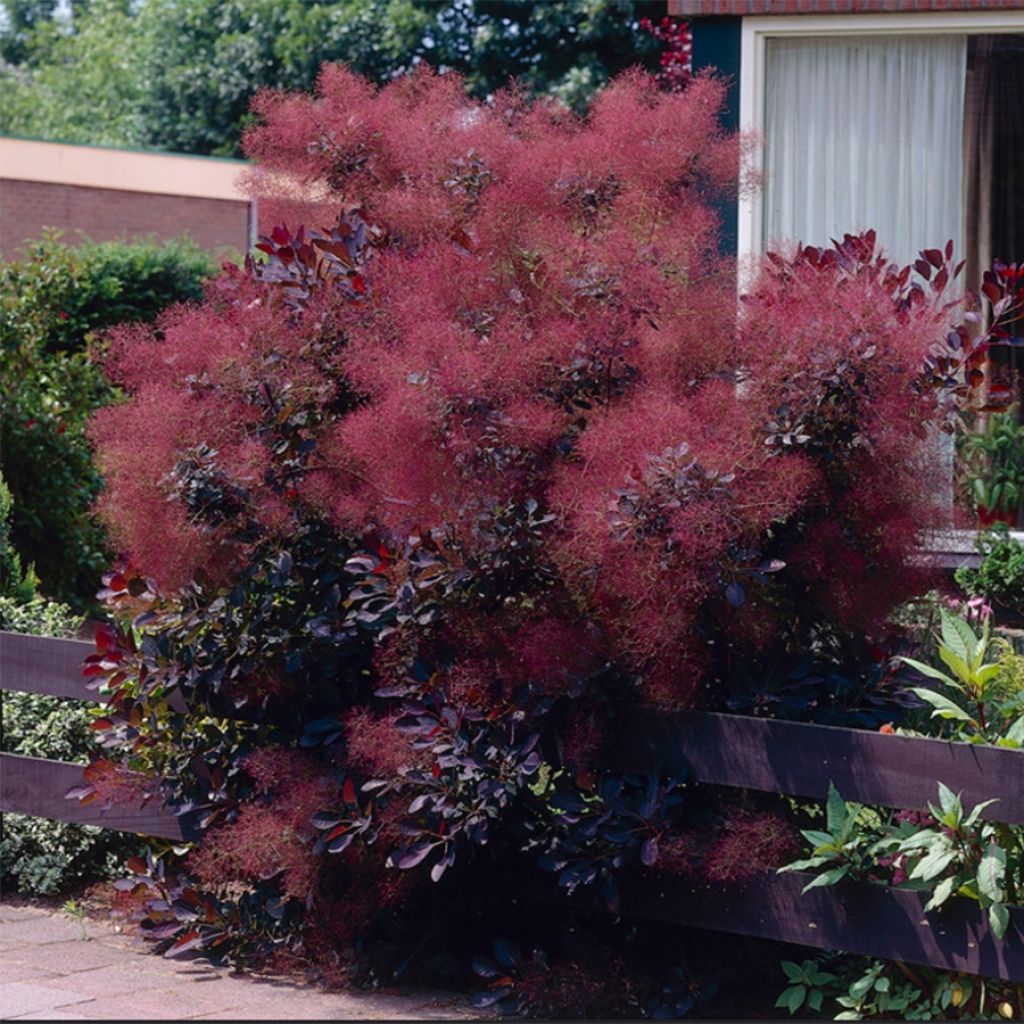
[698, 8]
[104, 214]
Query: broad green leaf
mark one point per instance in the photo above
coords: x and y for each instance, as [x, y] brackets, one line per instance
[826, 878]
[920, 840]
[956, 664]
[984, 675]
[998, 919]
[792, 998]
[837, 813]
[1016, 732]
[943, 891]
[862, 986]
[977, 809]
[792, 971]
[932, 673]
[992, 873]
[944, 707]
[958, 636]
[950, 801]
[814, 999]
[804, 865]
[816, 838]
[933, 864]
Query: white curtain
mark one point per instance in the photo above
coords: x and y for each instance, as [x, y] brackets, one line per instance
[865, 132]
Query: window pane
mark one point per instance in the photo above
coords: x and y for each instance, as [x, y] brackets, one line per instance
[865, 132]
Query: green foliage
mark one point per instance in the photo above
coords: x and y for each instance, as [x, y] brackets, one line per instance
[1000, 577]
[993, 464]
[806, 983]
[866, 989]
[21, 19]
[17, 584]
[948, 852]
[980, 698]
[179, 74]
[38, 856]
[78, 80]
[842, 849]
[53, 302]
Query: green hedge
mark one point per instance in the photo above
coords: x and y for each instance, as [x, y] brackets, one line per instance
[54, 302]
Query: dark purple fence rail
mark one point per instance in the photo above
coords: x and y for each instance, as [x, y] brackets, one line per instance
[860, 917]
[791, 757]
[38, 787]
[724, 750]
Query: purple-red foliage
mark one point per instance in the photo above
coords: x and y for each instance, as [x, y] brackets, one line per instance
[539, 312]
[272, 835]
[677, 57]
[485, 447]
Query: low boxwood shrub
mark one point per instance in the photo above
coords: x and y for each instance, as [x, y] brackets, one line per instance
[55, 300]
[414, 503]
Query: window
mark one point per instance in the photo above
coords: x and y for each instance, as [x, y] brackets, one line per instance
[909, 124]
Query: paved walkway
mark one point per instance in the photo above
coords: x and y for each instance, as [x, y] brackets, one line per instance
[55, 967]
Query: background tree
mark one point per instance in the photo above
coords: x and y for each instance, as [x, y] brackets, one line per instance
[180, 74]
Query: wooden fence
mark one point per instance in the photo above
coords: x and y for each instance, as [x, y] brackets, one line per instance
[725, 750]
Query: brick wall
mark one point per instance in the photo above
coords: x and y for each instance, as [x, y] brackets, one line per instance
[103, 214]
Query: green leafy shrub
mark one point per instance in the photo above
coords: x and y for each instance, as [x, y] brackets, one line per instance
[53, 303]
[39, 856]
[860, 988]
[982, 700]
[945, 852]
[993, 466]
[1000, 577]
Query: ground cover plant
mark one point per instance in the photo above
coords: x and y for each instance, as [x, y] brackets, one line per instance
[858, 988]
[414, 502]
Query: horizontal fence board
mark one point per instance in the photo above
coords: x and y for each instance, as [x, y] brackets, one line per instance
[799, 759]
[37, 787]
[44, 664]
[858, 917]
[53, 666]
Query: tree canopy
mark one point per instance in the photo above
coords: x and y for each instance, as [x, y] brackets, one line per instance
[180, 74]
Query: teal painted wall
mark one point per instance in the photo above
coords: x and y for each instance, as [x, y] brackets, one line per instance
[716, 44]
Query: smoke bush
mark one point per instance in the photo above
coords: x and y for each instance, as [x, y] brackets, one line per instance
[429, 489]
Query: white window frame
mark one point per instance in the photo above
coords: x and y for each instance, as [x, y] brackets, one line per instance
[757, 30]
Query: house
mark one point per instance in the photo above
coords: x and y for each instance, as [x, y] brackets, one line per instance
[899, 115]
[905, 116]
[104, 193]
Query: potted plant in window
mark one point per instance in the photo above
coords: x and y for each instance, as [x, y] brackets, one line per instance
[1000, 577]
[993, 462]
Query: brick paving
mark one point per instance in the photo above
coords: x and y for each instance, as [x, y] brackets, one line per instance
[54, 967]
